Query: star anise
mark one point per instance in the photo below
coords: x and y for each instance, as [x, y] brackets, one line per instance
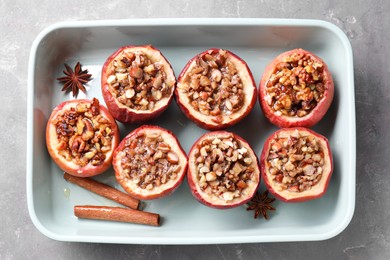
[75, 79]
[261, 203]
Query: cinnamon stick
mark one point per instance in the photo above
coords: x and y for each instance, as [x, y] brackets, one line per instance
[117, 214]
[104, 190]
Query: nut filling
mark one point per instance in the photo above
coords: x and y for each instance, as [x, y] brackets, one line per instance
[149, 161]
[214, 86]
[296, 86]
[296, 162]
[136, 81]
[83, 134]
[224, 167]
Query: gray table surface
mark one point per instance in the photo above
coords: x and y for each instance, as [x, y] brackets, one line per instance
[367, 25]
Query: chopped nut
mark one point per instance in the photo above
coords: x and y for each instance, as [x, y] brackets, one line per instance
[172, 157]
[164, 147]
[237, 168]
[241, 184]
[150, 69]
[228, 104]
[143, 102]
[157, 155]
[204, 169]
[317, 157]
[308, 169]
[157, 82]
[228, 196]
[289, 166]
[82, 108]
[211, 176]
[203, 151]
[136, 72]
[248, 160]
[80, 126]
[121, 76]
[111, 79]
[129, 93]
[156, 94]
[89, 132]
[90, 154]
[216, 75]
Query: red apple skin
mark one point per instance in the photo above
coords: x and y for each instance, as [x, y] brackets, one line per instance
[163, 193]
[311, 118]
[119, 111]
[214, 126]
[268, 182]
[73, 169]
[192, 184]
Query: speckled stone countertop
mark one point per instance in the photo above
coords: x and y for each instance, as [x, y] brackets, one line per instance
[366, 23]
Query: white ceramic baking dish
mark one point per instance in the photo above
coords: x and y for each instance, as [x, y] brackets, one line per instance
[184, 220]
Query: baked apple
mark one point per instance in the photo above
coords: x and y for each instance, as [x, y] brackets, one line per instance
[296, 164]
[137, 83]
[216, 89]
[149, 163]
[81, 136]
[296, 89]
[223, 170]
